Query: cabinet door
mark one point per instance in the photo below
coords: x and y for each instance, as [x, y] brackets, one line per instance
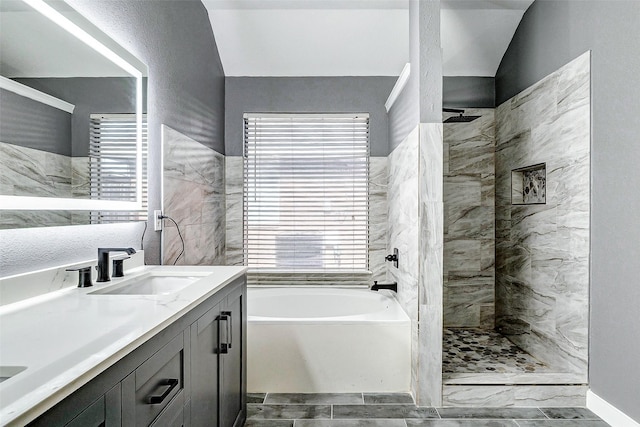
[104, 412]
[204, 369]
[232, 375]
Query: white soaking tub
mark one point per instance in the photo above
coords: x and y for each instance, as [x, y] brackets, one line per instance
[326, 340]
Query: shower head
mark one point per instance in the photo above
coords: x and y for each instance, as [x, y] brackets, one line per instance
[458, 119]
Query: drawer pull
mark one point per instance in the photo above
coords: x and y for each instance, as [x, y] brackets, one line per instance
[170, 383]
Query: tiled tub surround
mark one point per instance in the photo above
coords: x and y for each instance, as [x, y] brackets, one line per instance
[469, 221]
[193, 195]
[323, 339]
[415, 228]
[398, 410]
[542, 251]
[378, 176]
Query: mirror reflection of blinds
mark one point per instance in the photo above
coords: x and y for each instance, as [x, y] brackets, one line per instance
[112, 164]
[306, 192]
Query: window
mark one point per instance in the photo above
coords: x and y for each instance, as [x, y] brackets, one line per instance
[306, 192]
[112, 164]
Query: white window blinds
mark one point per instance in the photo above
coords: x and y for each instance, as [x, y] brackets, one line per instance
[112, 164]
[306, 192]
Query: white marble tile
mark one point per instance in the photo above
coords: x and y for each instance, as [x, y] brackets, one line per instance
[80, 178]
[194, 196]
[431, 157]
[514, 395]
[542, 251]
[30, 172]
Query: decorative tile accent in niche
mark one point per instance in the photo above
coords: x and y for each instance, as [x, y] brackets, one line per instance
[529, 185]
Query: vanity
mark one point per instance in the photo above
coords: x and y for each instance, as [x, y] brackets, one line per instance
[163, 346]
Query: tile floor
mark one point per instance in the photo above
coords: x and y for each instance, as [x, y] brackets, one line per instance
[484, 351]
[398, 410]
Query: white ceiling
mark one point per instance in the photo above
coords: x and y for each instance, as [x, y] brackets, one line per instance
[355, 37]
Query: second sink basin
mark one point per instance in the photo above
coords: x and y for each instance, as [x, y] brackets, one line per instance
[149, 285]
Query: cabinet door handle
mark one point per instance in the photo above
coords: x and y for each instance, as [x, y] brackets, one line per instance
[230, 330]
[224, 346]
[170, 383]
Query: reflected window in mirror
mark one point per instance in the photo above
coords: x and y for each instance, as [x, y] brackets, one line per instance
[112, 167]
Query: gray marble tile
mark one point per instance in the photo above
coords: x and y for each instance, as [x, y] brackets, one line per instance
[430, 162]
[382, 411]
[542, 252]
[80, 180]
[314, 398]
[461, 423]
[562, 423]
[513, 395]
[30, 172]
[194, 196]
[394, 398]
[351, 423]
[491, 413]
[569, 413]
[269, 423]
[290, 412]
[256, 397]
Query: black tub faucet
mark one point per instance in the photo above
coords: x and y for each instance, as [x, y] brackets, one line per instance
[391, 286]
[103, 261]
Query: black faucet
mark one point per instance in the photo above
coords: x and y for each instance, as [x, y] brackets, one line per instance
[103, 261]
[391, 286]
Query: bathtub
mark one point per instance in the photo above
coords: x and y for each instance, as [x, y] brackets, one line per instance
[326, 340]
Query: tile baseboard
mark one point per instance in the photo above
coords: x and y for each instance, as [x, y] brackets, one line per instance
[608, 412]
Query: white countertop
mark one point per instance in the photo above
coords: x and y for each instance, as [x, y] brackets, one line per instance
[67, 337]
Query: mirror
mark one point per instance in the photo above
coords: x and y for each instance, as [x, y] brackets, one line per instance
[72, 122]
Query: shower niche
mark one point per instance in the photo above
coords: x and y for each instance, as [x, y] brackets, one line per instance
[529, 185]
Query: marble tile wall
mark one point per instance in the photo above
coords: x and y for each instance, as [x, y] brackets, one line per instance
[542, 251]
[30, 172]
[469, 221]
[233, 198]
[378, 177]
[415, 227]
[402, 233]
[194, 196]
[430, 263]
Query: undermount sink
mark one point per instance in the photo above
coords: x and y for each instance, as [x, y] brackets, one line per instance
[7, 372]
[149, 285]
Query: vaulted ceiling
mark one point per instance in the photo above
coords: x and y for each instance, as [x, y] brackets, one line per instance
[355, 37]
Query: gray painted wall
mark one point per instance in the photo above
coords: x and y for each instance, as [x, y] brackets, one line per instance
[307, 95]
[32, 124]
[468, 92]
[89, 95]
[551, 34]
[185, 91]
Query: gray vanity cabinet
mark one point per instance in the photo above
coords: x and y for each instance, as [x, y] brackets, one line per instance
[232, 384]
[217, 351]
[190, 374]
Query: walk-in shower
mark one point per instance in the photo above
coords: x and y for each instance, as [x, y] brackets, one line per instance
[516, 275]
